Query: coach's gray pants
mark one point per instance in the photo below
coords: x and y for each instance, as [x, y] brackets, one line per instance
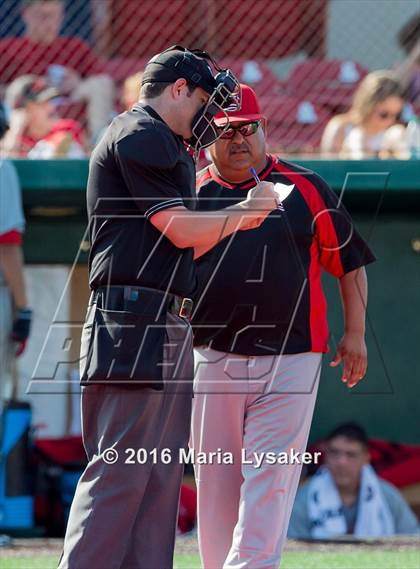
[124, 516]
[249, 405]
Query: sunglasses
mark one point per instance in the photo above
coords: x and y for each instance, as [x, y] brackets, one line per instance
[386, 115]
[245, 130]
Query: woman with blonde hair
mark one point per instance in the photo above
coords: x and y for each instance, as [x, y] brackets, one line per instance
[370, 128]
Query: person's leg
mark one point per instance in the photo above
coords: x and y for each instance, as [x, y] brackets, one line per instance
[98, 91]
[6, 346]
[217, 423]
[152, 538]
[276, 421]
[109, 497]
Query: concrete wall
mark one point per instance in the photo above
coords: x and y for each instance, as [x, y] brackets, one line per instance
[366, 30]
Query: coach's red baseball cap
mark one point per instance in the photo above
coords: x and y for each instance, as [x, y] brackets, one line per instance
[250, 109]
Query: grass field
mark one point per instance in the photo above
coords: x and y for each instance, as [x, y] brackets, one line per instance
[292, 560]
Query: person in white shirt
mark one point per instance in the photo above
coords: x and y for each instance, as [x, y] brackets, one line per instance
[347, 497]
[370, 128]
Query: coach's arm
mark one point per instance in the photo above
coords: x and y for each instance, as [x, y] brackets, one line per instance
[351, 350]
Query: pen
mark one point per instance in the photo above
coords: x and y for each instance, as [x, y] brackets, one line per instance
[257, 179]
[255, 175]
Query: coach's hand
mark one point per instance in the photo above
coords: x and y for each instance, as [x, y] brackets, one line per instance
[352, 352]
[260, 201]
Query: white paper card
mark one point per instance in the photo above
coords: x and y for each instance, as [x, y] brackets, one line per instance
[283, 190]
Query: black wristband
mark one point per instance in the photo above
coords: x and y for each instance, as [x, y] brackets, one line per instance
[22, 325]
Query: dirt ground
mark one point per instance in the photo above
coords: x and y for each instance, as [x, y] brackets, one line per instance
[188, 545]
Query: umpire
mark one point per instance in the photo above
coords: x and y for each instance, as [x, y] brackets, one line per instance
[136, 356]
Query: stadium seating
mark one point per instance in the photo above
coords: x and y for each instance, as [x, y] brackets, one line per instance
[297, 108]
[327, 82]
[255, 73]
[294, 124]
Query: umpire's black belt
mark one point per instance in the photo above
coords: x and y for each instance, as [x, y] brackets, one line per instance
[120, 297]
[125, 336]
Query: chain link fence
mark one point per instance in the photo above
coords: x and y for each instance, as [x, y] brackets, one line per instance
[304, 58]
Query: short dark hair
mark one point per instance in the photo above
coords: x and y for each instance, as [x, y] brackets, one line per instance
[152, 90]
[350, 431]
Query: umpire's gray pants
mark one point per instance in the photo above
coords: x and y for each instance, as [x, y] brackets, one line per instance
[124, 516]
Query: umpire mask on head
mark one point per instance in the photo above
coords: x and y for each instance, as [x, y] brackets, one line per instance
[226, 96]
[194, 66]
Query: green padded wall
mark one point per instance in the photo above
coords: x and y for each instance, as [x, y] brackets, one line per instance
[387, 401]
[384, 198]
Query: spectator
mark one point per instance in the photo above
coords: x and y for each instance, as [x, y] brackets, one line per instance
[347, 497]
[35, 130]
[69, 63]
[15, 316]
[370, 127]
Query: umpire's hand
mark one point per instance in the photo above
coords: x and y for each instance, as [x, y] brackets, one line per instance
[261, 200]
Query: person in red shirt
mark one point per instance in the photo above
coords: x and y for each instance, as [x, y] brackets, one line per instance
[35, 131]
[68, 62]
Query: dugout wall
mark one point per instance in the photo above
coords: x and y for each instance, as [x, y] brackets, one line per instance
[384, 199]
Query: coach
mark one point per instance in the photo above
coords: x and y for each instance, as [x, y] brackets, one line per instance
[260, 331]
[136, 357]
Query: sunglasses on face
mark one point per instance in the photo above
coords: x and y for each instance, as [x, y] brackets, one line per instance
[244, 129]
[386, 115]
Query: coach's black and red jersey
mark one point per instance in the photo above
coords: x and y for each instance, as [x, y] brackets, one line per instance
[260, 290]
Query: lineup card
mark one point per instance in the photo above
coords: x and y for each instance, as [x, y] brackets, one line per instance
[283, 190]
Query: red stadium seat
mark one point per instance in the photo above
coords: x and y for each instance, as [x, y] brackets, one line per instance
[119, 68]
[255, 73]
[294, 125]
[238, 28]
[327, 82]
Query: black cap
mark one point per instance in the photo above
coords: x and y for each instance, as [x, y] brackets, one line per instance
[178, 62]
